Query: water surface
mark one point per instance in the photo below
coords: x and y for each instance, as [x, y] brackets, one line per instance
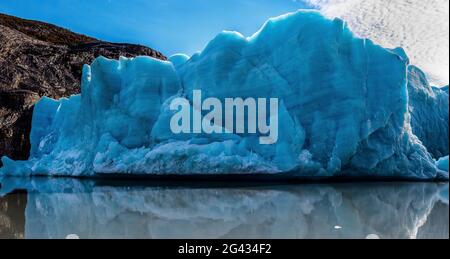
[61, 208]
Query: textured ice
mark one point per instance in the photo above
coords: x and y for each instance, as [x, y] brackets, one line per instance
[445, 89]
[344, 110]
[442, 163]
[428, 107]
[178, 59]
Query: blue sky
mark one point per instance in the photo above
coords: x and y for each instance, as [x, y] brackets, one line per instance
[170, 26]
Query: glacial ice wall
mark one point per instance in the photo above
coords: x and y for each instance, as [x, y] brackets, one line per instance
[429, 108]
[442, 163]
[343, 110]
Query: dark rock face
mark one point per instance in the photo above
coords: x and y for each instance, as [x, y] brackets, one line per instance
[39, 59]
[16, 109]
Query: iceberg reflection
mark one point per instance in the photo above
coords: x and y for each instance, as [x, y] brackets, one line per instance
[57, 208]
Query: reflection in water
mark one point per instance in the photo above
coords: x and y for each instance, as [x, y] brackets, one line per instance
[57, 208]
[12, 215]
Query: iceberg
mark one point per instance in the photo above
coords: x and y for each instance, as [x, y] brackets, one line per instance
[428, 107]
[442, 163]
[344, 111]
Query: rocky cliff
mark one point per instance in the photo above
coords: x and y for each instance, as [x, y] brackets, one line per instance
[38, 59]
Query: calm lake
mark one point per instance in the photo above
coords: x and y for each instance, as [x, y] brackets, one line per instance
[73, 208]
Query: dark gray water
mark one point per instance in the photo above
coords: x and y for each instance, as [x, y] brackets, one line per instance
[61, 208]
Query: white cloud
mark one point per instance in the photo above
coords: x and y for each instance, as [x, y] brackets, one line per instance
[420, 27]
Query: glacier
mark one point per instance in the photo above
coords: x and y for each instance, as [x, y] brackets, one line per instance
[346, 110]
[442, 163]
[429, 108]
